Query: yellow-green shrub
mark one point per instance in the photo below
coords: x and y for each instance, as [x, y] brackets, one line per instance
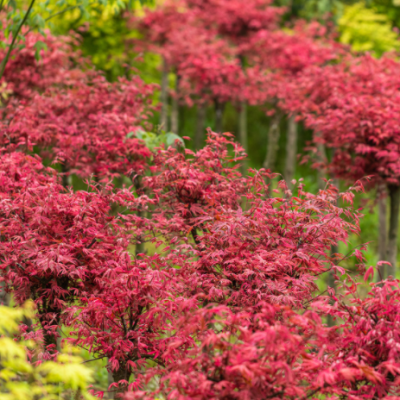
[367, 30]
[64, 378]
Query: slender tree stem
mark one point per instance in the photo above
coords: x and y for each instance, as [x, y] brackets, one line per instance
[291, 150]
[10, 48]
[382, 239]
[175, 108]
[219, 113]
[394, 195]
[243, 130]
[164, 97]
[200, 119]
[321, 156]
[331, 277]
[273, 143]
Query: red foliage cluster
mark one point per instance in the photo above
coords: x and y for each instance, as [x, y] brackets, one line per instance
[26, 74]
[231, 310]
[354, 107]
[73, 116]
[240, 298]
[205, 42]
[56, 245]
[232, 51]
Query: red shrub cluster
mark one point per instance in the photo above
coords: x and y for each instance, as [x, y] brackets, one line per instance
[229, 308]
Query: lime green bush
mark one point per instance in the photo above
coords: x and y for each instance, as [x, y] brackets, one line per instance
[367, 30]
[64, 378]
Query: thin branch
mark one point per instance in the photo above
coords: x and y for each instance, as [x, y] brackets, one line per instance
[10, 48]
[55, 15]
[93, 359]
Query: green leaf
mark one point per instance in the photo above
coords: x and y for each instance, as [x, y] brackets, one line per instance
[39, 45]
[171, 137]
[12, 4]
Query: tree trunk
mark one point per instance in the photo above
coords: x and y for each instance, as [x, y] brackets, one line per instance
[110, 381]
[243, 130]
[175, 109]
[291, 151]
[4, 296]
[394, 195]
[331, 280]
[164, 97]
[382, 236]
[139, 249]
[200, 121]
[219, 114]
[331, 277]
[120, 374]
[321, 156]
[137, 183]
[66, 177]
[273, 143]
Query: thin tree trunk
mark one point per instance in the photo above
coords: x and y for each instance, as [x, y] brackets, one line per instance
[219, 114]
[394, 195]
[331, 277]
[78, 394]
[66, 177]
[243, 130]
[137, 182]
[139, 249]
[4, 296]
[59, 339]
[331, 280]
[175, 108]
[110, 381]
[164, 97]
[382, 236]
[120, 374]
[273, 143]
[291, 150]
[200, 121]
[321, 156]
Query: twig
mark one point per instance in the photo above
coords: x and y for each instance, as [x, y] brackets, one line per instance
[10, 48]
[55, 14]
[93, 359]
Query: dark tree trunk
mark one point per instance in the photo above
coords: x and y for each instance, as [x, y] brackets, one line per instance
[110, 381]
[4, 296]
[48, 337]
[273, 143]
[66, 177]
[394, 195]
[119, 375]
[175, 108]
[331, 280]
[164, 97]
[139, 249]
[291, 151]
[243, 130]
[382, 237]
[219, 114]
[46, 311]
[331, 277]
[137, 183]
[321, 156]
[200, 122]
